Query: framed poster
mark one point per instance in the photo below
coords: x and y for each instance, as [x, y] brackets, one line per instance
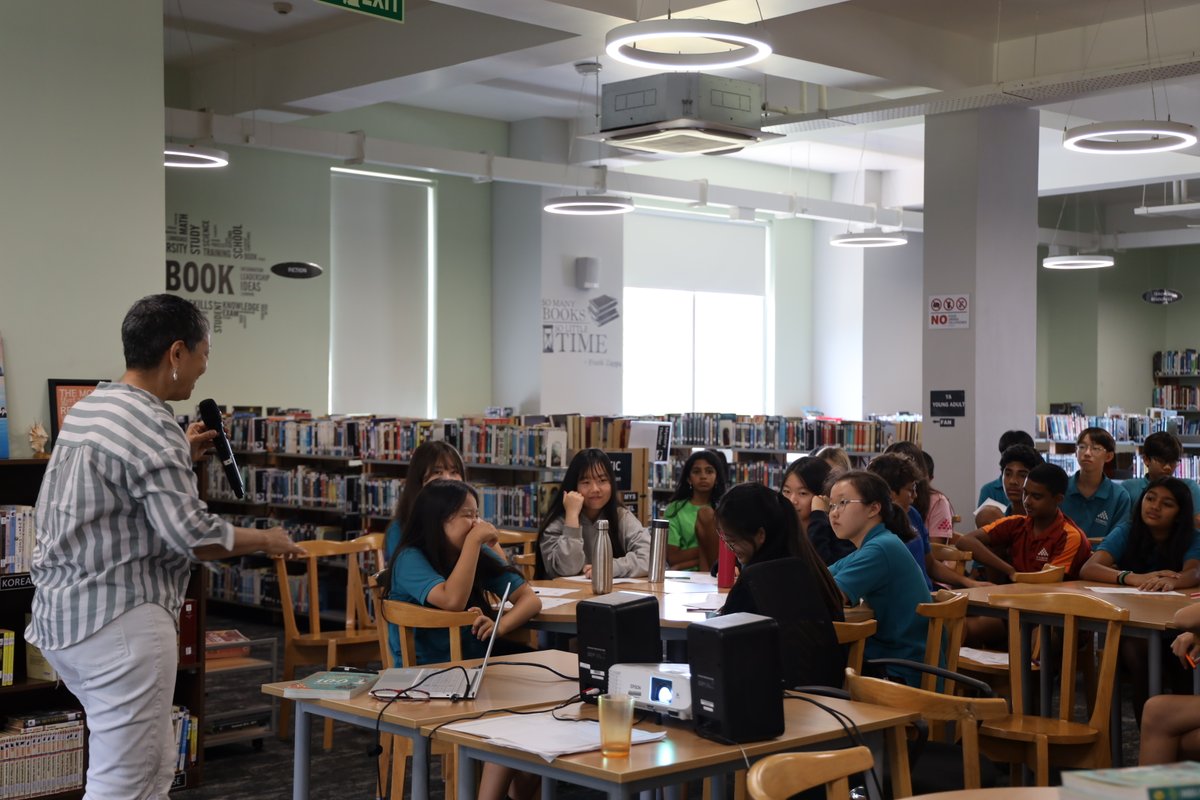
[64, 393]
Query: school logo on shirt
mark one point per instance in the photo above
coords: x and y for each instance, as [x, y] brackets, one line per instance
[1043, 555]
[1102, 517]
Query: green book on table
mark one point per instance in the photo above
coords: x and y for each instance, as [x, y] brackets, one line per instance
[1179, 781]
[330, 686]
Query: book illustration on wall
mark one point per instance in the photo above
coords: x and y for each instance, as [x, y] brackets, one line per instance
[3, 408]
[603, 309]
[64, 393]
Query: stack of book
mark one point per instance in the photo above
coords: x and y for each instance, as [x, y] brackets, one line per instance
[1162, 782]
[41, 752]
[16, 539]
[8, 652]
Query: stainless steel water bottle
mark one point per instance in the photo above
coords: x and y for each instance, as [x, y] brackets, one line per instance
[602, 577]
[658, 550]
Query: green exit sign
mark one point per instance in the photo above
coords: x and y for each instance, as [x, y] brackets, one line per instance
[387, 9]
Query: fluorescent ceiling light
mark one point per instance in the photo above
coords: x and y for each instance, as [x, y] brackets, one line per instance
[872, 237]
[1080, 261]
[589, 205]
[627, 43]
[190, 156]
[1130, 137]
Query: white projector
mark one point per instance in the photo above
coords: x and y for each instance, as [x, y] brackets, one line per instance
[663, 688]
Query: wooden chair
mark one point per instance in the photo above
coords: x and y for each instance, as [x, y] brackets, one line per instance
[780, 776]
[352, 643]
[965, 712]
[946, 614]
[408, 618]
[1048, 574]
[855, 634]
[997, 674]
[526, 562]
[1040, 741]
[952, 556]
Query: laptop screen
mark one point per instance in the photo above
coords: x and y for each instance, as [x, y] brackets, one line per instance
[478, 678]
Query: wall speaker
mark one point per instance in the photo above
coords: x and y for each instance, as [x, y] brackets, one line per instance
[587, 272]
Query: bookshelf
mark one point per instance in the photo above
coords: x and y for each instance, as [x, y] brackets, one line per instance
[1177, 386]
[20, 480]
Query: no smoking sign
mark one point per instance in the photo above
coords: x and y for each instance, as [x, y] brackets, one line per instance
[948, 311]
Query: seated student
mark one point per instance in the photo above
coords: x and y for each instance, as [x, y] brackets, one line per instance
[994, 489]
[1161, 454]
[783, 578]
[1157, 551]
[1043, 537]
[835, 457]
[901, 476]
[445, 561]
[940, 519]
[880, 570]
[803, 486]
[1015, 463]
[1093, 501]
[1170, 722]
[567, 538]
[692, 535]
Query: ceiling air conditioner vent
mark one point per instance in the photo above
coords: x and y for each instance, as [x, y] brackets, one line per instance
[681, 114]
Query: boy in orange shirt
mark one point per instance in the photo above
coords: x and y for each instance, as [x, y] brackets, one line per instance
[1045, 536]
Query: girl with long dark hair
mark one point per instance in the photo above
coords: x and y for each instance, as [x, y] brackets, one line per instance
[692, 535]
[567, 537]
[804, 487]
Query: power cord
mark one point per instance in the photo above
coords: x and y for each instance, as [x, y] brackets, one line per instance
[532, 664]
[849, 727]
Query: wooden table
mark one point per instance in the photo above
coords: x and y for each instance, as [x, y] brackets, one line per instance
[502, 688]
[685, 756]
[1002, 793]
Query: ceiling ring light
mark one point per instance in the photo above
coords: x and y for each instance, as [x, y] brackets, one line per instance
[1080, 261]
[871, 237]
[191, 156]
[584, 205]
[1153, 137]
[627, 43]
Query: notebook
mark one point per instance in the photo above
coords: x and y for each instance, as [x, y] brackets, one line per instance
[452, 684]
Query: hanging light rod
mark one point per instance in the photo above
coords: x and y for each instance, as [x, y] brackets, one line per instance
[626, 43]
[589, 205]
[1130, 137]
[191, 156]
[871, 237]
[1079, 261]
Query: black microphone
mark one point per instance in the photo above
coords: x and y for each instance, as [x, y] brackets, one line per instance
[211, 415]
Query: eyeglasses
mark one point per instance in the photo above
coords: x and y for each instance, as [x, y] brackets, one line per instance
[1090, 448]
[471, 515]
[840, 505]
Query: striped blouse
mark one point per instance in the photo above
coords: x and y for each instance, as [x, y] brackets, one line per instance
[117, 517]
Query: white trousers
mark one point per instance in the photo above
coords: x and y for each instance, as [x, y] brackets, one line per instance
[124, 675]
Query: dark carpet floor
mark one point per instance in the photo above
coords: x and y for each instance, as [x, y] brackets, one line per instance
[237, 771]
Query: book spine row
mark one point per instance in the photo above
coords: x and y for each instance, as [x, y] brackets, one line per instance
[487, 443]
[8, 652]
[768, 473]
[1124, 428]
[256, 586]
[1176, 362]
[378, 497]
[391, 439]
[41, 760]
[1177, 398]
[332, 436]
[16, 539]
[299, 530]
[794, 434]
[186, 726]
[1189, 468]
[509, 506]
[300, 486]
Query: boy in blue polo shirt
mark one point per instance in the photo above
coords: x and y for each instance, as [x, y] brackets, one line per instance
[994, 489]
[1161, 454]
[1093, 502]
[1015, 464]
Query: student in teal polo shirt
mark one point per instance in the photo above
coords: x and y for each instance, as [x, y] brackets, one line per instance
[994, 489]
[1093, 502]
[1015, 464]
[880, 570]
[1161, 454]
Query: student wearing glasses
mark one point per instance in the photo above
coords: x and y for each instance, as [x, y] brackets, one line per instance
[880, 570]
[1161, 454]
[1093, 501]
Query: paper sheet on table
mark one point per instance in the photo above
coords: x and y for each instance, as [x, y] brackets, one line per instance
[581, 579]
[554, 602]
[997, 658]
[544, 735]
[552, 591]
[710, 602]
[694, 577]
[1129, 590]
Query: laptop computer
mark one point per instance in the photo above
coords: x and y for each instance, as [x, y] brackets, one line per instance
[451, 684]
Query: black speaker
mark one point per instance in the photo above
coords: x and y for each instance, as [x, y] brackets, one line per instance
[617, 628]
[736, 691]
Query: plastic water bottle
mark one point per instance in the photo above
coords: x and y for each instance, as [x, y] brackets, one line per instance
[658, 550]
[602, 577]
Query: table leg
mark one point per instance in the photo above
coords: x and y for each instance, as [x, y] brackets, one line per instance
[1026, 668]
[898, 762]
[300, 762]
[549, 788]
[1156, 666]
[420, 770]
[716, 785]
[672, 792]
[878, 747]
[465, 776]
[1045, 675]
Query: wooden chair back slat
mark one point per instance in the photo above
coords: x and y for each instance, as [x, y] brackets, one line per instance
[780, 776]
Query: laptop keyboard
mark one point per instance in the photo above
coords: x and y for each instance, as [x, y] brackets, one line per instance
[447, 682]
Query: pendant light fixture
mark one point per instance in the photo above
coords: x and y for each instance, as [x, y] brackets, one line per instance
[874, 236]
[628, 44]
[598, 203]
[192, 156]
[1076, 260]
[1132, 137]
